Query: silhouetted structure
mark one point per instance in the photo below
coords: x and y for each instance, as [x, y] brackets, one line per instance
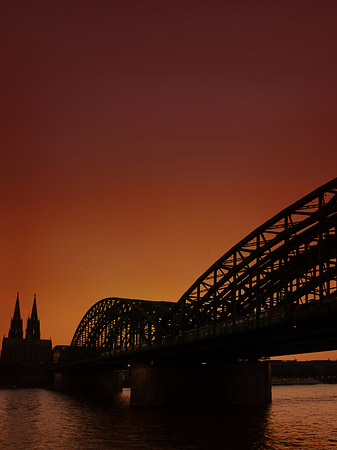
[273, 293]
[33, 324]
[15, 331]
[23, 360]
[283, 272]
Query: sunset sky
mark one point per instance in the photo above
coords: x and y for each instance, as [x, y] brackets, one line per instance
[140, 140]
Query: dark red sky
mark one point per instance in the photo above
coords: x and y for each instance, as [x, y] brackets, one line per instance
[141, 140]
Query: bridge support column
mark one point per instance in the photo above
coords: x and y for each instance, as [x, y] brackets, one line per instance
[235, 383]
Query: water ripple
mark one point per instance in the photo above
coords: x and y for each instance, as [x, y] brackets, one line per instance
[301, 417]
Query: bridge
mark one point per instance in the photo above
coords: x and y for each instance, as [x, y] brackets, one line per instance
[273, 293]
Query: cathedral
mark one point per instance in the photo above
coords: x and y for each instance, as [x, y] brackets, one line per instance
[27, 355]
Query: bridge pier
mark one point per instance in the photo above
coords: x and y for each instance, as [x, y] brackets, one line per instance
[105, 381]
[229, 384]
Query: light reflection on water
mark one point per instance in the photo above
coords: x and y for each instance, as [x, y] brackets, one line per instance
[300, 417]
[303, 417]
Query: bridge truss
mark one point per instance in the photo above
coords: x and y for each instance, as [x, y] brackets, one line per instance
[115, 324]
[287, 263]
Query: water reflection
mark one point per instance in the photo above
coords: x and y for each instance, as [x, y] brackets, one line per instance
[303, 417]
[38, 419]
[180, 428]
[299, 417]
[21, 419]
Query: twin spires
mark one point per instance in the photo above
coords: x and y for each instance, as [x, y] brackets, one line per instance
[33, 324]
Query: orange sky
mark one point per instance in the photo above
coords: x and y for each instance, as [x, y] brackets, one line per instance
[142, 140]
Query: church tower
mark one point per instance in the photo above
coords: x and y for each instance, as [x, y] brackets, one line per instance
[33, 324]
[15, 330]
[24, 362]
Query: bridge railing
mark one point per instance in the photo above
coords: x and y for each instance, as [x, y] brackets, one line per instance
[265, 319]
[268, 318]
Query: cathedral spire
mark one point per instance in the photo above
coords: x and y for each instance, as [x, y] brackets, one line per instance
[15, 330]
[33, 324]
[34, 310]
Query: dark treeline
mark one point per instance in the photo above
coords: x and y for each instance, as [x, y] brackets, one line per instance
[325, 371]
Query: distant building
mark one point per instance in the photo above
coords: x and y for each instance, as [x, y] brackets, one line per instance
[25, 358]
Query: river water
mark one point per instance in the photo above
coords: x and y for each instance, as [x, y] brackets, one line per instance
[300, 417]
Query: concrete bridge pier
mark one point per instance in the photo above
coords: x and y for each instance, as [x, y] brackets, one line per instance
[228, 384]
[104, 381]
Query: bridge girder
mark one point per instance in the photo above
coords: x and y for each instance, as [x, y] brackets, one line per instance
[115, 324]
[289, 260]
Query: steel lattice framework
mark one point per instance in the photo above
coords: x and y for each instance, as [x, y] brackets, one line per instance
[289, 261]
[116, 324]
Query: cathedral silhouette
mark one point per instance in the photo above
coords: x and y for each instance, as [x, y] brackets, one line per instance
[24, 360]
[33, 324]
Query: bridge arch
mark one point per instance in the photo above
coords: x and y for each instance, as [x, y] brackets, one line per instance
[116, 324]
[289, 261]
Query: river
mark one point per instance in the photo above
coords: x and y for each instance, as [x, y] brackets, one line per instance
[300, 417]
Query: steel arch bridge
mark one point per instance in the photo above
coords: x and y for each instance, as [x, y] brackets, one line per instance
[115, 324]
[288, 263]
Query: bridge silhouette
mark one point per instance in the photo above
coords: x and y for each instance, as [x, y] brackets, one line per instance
[273, 293]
